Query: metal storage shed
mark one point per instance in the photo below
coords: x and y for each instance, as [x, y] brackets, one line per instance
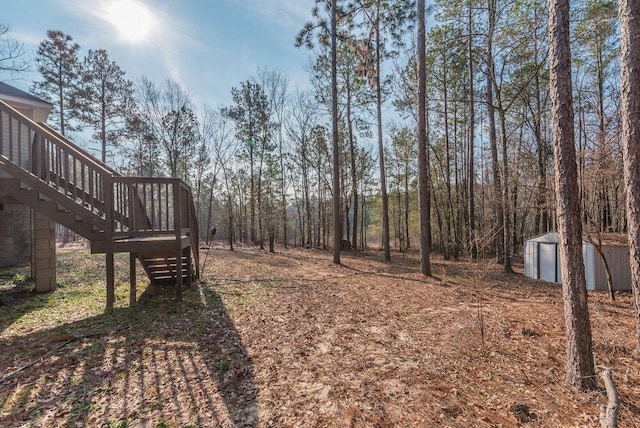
[542, 260]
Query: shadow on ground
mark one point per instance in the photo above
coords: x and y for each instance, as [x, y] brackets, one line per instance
[133, 367]
[16, 292]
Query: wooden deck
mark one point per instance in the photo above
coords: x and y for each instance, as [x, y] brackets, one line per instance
[151, 218]
[150, 244]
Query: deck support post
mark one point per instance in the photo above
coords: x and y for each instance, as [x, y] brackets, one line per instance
[132, 279]
[43, 252]
[179, 276]
[111, 289]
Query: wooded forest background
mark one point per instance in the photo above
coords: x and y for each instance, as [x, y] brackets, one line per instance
[261, 167]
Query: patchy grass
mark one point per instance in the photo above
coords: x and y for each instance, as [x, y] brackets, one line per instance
[289, 339]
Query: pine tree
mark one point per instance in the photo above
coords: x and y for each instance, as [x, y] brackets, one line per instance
[423, 152]
[384, 21]
[253, 132]
[337, 229]
[629, 12]
[104, 99]
[580, 369]
[57, 59]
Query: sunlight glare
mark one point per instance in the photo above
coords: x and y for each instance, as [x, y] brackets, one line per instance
[132, 20]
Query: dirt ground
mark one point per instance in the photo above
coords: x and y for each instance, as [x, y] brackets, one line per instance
[292, 340]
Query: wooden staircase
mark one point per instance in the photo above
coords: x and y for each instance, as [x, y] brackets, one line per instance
[153, 219]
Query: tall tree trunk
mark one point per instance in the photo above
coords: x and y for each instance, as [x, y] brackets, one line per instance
[424, 192]
[306, 238]
[363, 230]
[406, 204]
[580, 368]
[582, 138]
[447, 153]
[283, 190]
[260, 211]
[337, 230]
[61, 84]
[506, 227]
[209, 211]
[456, 213]
[354, 171]
[230, 223]
[252, 199]
[383, 175]
[629, 12]
[541, 222]
[471, 216]
[441, 234]
[493, 140]
[320, 224]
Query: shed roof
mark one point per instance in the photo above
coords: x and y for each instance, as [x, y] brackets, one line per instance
[552, 237]
[607, 239]
[13, 92]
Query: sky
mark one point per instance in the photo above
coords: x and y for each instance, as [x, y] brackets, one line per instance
[208, 46]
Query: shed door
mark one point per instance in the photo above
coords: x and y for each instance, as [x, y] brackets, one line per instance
[548, 261]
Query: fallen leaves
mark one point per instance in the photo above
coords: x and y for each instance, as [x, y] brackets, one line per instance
[289, 339]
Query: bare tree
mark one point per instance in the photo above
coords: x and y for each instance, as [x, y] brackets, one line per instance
[224, 150]
[580, 367]
[12, 53]
[168, 115]
[275, 84]
[299, 126]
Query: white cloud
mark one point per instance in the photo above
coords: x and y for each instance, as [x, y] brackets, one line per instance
[289, 14]
[31, 39]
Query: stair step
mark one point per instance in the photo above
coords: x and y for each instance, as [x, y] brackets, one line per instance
[166, 278]
[166, 269]
[158, 265]
[165, 272]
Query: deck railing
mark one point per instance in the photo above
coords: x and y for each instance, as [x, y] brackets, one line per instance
[54, 160]
[140, 206]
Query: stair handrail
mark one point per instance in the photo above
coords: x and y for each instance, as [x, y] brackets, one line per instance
[70, 143]
[53, 136]
[39, 155]
[70, 171]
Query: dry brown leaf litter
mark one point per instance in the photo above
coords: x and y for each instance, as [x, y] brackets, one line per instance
[289, 339]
